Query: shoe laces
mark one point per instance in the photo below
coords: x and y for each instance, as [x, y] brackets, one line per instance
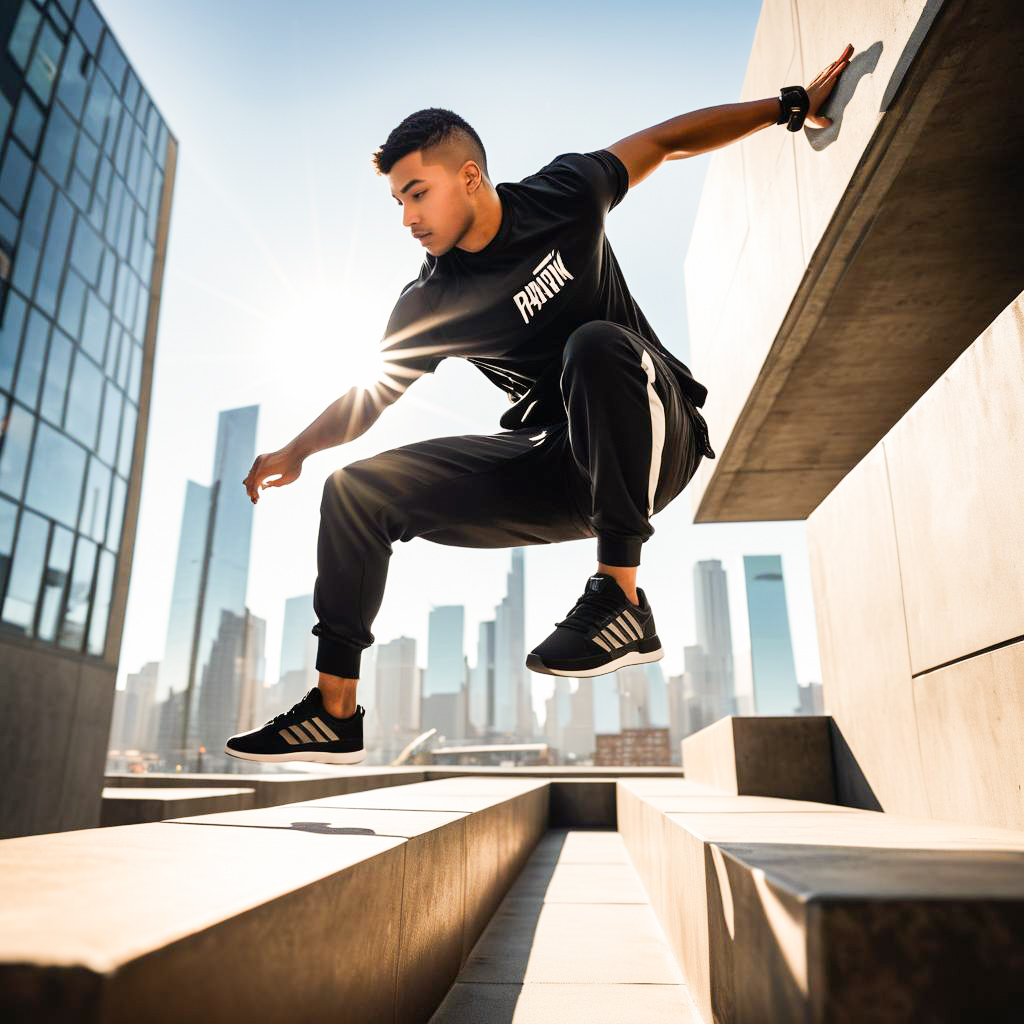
[590, 610]
[297, 706]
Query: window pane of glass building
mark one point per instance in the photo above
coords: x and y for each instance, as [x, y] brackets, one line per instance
[55, 582]
[72, 628]
[81, 180]
[19, 607]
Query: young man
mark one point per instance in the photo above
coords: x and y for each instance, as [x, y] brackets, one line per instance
[520, 280]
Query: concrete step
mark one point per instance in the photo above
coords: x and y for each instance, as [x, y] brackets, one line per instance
[358, 907]
[786, 910]
[132, 805]
[574, 940]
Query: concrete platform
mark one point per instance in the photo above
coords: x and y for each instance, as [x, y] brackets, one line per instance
[834, 275]
[787, 756]
[327, 910]
[786, 911]
[574, 940]
[132, 805]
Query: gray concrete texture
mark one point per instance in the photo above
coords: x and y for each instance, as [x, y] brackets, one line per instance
[917, 571]
[327, 911]
[574, 940]
[833, 275]
[784, 911]
[764, 755]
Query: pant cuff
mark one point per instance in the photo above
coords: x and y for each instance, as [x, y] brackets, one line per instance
[619, 551]
[336, 658]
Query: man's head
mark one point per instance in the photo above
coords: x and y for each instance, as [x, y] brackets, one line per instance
[437, 169]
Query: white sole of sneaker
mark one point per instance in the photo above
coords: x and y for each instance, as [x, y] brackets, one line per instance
[323, 757]
[534, 664]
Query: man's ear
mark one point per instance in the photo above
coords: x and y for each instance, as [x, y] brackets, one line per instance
[470, 172]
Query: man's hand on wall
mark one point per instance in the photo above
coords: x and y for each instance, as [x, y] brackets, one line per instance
[821, 88]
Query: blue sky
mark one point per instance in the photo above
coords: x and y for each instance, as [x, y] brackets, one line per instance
[286, 254]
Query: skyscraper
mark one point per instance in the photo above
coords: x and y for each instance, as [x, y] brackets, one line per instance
[208, 607]
[444, 682]
[512, 687]
[86, 176]
[397, 696]
[298, 652]
[481, 682]
[771, 649]
[714, 634]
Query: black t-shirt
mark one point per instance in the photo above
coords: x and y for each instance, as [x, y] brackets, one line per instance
[509, 308]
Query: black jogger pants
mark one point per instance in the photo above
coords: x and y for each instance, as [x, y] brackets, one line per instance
[629, 446]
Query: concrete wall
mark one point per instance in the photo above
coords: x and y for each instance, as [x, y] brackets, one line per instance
[918, 574]
[833, 275]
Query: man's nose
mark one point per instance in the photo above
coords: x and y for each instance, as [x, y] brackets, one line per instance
[408, 216]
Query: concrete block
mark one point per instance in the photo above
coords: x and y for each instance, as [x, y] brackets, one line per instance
[763, 755]
[132, 805]
[897, 254]
[957, 484]
[147, 922]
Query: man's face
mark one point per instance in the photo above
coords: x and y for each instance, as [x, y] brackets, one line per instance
[434, 200]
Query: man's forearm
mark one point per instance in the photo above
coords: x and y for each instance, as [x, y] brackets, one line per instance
[344, 420]
[712, 127]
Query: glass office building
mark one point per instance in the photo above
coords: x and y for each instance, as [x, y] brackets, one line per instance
[771, 648]
[86, 172]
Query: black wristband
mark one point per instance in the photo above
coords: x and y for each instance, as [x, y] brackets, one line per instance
[794, 104]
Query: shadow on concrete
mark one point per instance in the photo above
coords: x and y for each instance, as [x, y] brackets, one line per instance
[924, 23]
[502, 952]
[864, 63]
[852, 786]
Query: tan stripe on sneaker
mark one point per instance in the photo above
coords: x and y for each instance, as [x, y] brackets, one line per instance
[624, 625]
[325, 728]
[600, 643]
[632, 621]
[288, 736]
[314, 732]
[611, 637]
[619, 632]
[298, 731]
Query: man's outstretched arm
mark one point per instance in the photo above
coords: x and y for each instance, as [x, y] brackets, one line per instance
[713, 127]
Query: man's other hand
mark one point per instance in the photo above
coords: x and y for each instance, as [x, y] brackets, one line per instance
[285, 462]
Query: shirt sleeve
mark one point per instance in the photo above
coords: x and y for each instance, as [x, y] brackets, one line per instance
[598, 178]
[413, 343]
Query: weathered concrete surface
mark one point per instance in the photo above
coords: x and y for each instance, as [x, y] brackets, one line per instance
[831, 913]
[917, 570]
[574, 940]
[866, 258]
[764, 755]
[322, 908]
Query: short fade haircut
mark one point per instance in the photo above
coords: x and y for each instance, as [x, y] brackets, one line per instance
[426, 128]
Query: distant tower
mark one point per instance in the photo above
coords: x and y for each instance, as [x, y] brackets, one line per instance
[444, 680]
[512, 682]
[714, 633]
[771, 649]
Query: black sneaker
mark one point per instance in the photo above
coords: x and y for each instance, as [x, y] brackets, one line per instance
[306, 732]
[603, 632]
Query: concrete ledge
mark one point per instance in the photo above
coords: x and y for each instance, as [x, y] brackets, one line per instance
[359, 907]
[582, 803]
[795, 911]
[761, 755]
[275, 788]
[132, 805]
